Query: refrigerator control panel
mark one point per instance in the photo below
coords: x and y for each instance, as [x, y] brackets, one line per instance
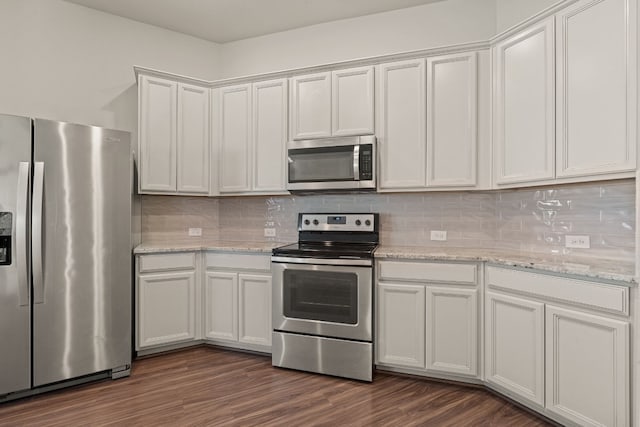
[6, 225]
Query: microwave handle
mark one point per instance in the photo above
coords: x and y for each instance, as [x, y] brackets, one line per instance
[356, 162]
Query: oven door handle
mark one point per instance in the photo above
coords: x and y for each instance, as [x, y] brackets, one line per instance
[320, 261]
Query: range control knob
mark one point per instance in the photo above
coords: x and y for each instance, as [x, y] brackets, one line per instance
[367, 223]
[358, 222]
[307, 222]
[315, 222]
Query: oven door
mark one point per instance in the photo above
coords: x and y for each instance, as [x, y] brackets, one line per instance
[324, 300]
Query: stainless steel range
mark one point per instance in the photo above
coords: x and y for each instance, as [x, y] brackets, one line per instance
[323, 296]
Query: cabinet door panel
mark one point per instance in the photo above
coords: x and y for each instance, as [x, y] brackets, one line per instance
[166, 304]
[352, 102]
[587, 373]
[515, 345]
[255, 309]
[596, 75]
[311, 106]
[269, 135]
[235, 138]
[221, 302]
[451, 120]
[452, 330]
[401, 325]
[402, 121]
[524, 106]
[157, 155]
[193, 139]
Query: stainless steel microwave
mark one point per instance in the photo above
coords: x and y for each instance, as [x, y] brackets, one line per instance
[345, 163]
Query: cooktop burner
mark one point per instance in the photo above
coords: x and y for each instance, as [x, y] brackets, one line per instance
[327, 250]
[326, 236]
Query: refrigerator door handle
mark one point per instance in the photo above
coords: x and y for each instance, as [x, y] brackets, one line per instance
[22, 243]
[36, 233]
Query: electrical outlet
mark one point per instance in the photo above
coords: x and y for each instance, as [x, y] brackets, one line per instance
[581, 242]
[438, 235]
[269, 232]
[195, 232]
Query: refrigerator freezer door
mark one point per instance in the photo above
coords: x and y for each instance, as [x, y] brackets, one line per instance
[15, 336]
[82, 295]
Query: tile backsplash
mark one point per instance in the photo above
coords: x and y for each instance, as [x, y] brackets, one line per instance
[530, 219]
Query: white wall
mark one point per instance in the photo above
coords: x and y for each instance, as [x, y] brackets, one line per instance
[66, 62]
[437, 24]
[512, 12]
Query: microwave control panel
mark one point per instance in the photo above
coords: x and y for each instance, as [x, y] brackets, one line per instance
[366, 162]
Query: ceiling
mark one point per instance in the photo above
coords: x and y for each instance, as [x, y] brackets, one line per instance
[222, 21]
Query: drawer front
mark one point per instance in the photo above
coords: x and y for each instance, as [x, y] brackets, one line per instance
[239, 261]
[164, 262]
[429, 272]
[594, 295]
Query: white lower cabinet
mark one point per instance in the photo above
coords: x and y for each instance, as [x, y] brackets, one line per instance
[237, 302]
[428, 317]
[561, 344]
[452, 330]
[166, 296]
[587, 367]
[221, 309]
[401, 324]
[514, 343]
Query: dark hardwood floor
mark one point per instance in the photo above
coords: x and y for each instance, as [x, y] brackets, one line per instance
[206, 386]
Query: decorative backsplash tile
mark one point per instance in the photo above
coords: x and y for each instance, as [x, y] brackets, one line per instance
[530, 219]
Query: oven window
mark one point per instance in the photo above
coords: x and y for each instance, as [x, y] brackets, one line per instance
[321, 295]
[321, 164]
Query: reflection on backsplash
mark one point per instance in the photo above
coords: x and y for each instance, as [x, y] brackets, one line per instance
[530, 219]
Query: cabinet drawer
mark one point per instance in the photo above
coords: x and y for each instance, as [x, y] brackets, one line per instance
[164, 262]
[239, 261]
[593, 295]
[429, 272]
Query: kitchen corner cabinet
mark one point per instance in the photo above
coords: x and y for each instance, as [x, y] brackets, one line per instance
[559, 344]
[336, 103]
[166, 294]
[524, 138]
[428, 123]
[565, 93]
[173, 137]
[428, 317]
[252, 135]
[596, 76]
[237, 302]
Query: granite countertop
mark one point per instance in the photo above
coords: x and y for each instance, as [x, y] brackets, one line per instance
[204, 245]
[597, 268]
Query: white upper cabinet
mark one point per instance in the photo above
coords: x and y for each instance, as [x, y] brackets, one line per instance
[337, 103]
[402, 124]
[451, 120]
[311, 106]
[174, 137]
[524, 106]
[252, 137]
[269, 135]
[352, 102]
[596, 88]
[235, 138]
[157, 115]
[193, 139]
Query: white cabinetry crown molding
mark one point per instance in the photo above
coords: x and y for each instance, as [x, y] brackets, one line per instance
[372, 60]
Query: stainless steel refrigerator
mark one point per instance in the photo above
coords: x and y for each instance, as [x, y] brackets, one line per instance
[65, 253]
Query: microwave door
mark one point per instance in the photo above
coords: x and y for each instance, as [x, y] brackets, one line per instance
[324, 165]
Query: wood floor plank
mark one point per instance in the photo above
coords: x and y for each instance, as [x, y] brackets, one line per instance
[207, 386]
